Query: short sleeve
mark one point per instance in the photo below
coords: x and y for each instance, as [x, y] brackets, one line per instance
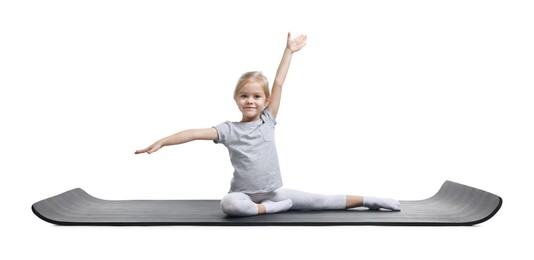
[223, 130]
[268, 116]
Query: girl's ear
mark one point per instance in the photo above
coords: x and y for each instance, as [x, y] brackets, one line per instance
[267, 101]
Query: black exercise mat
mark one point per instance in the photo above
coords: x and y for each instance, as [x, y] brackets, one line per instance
[453, 205]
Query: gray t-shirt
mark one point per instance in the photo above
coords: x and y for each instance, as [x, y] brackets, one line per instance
[252, 153]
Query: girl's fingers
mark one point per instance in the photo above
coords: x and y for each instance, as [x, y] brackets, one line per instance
[141, 151]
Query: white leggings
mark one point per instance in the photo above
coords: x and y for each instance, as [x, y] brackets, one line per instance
[243, 204]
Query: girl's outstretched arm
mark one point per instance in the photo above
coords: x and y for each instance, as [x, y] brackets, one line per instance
[293, 45]
[180, 138]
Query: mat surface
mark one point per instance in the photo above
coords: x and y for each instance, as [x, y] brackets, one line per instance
[453, 205]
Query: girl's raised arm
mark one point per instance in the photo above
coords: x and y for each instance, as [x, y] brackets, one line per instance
[293, 45]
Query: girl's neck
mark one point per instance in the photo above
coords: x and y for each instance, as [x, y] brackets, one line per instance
[245, 119]
[249, 120]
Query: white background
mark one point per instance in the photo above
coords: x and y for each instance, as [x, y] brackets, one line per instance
[389, 98]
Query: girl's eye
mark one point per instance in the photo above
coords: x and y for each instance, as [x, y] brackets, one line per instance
[257, 96]
[244, 96]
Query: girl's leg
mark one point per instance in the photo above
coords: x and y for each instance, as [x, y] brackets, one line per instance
[238, 204]
[241, 204]
[310, 201]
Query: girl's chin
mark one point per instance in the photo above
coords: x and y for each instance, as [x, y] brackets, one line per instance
[250, 112]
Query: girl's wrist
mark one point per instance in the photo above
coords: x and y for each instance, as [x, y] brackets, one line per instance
[161, 143]
[288, 50]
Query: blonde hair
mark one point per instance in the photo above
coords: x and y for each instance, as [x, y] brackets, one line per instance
[253, 76]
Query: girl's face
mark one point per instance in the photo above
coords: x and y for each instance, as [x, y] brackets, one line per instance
[251, 100]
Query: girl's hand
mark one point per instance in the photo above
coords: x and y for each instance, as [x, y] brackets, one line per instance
[153, 148]
[295, 44]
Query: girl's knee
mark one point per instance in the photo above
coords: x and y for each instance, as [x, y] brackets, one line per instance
[238, 204]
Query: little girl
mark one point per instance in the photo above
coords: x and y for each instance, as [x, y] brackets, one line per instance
[256, 184]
